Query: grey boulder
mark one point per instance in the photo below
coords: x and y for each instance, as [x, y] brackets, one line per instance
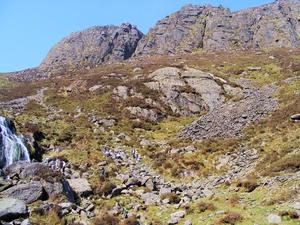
[150, 198]
[274, 219]
[175, 217]
[29, 192]
[11, 208]
[295, 117]
[81, 187]
[59, 188]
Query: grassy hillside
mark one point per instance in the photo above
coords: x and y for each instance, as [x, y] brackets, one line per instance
[63, 114]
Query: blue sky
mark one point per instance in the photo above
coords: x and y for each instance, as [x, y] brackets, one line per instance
[29, 28]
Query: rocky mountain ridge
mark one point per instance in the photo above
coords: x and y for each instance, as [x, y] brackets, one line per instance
[208, 137]
[209, 28]
[94, 46]
[192, 28]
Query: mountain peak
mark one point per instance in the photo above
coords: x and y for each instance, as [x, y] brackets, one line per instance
[94, 46]
[193, 27]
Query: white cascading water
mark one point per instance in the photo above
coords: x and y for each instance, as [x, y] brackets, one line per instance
[12, 148]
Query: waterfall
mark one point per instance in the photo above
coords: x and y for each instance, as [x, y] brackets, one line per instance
[12, 148]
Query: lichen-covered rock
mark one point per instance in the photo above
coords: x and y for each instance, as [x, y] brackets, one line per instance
[217, 28]
[189, 91]
[51, 183]
[93, 47]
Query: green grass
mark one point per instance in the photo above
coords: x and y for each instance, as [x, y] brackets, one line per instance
[276, 138]
[5, 82]
[168, 129]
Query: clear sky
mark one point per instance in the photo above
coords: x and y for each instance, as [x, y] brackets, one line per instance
[29, 28]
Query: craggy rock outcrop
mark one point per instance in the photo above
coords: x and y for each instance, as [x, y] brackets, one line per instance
[31, 74]
[93, 47]
[217, 29]
[228, 120]
[183, 92]
[189, 91]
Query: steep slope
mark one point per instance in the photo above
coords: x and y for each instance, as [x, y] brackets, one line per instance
[113, 133]
[203, 138]
[94, 46]
[217, 29]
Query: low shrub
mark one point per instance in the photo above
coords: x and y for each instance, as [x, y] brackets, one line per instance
[204, 206]
[130, 221]
[105, 188]
[249, 184]
[106, 219]
[142, 125]
[290, 163]
[231, 218]
[234, 200]
[290, 214]
[51, 217]
[173, 198]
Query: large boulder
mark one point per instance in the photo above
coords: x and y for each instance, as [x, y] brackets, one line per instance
[59, 188]
[150, 198]
[29, 192]
[11, 208]
[80, 186]
[15, 168]
[93, 46]
[35, 169]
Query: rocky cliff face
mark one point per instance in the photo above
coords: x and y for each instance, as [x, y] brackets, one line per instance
[94, 46]
[193, 27]
[216, 29]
